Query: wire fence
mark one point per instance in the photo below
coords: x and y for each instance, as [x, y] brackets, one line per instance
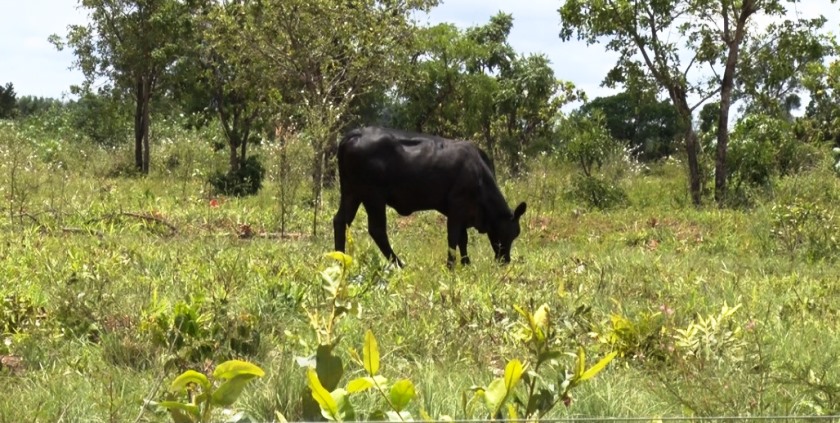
[774, 419]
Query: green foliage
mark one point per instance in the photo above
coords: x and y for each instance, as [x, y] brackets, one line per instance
[192, 397]
[586, 142]
[714, 337]
[8, 101]
[247, 180]
[469, 85]
[806, 228]
[643, 338]
[190, 332]
[762, 147]
[33, 106]
[595, 192]
[541, 394]
[647, 126]
[336, 404]
[103, 118]
[130, 45]
[89, 285]
[822, 80]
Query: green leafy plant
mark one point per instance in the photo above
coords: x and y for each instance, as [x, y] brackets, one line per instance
[198, 328]
[807, 227]
[193, 397]
[714, 337]
[596, 192]
[643, 337]
[247, 180]
[541, 393]
[325, 309]
[336, 405]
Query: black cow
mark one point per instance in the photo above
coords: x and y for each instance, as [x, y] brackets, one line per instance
[412, 172]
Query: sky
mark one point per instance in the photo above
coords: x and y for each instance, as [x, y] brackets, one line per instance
[36, 68]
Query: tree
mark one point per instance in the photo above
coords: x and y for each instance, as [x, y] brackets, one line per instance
[8, 101]
[647, 126]
[31, 105]
[221, 78]
[713, 32]
[791, 47]
[323, 55]
[471, 84]
[130, 44]
[822, 115]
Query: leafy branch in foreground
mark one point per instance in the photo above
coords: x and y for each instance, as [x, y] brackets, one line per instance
[199, 396]
[540, 395]
[336, 405]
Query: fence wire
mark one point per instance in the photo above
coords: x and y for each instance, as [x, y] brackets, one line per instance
[820, 419]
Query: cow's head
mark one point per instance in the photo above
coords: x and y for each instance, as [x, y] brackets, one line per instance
[503, 231]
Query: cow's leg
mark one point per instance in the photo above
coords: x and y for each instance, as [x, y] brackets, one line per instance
[462, 245]
[454, 236]
[377, 225]
[348, 206]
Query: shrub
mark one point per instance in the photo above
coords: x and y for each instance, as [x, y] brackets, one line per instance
[806, 227]
[247, 180]
[761, 147]
[596, 192]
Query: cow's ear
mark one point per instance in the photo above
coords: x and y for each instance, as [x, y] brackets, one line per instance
[520, 210]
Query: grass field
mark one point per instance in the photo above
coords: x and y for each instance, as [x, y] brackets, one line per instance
[712, 311]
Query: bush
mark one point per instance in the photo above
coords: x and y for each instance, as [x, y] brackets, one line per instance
[247, 180]
[806, 227]
[762, 146]
[596, 192]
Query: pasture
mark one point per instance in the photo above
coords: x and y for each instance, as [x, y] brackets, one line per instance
[112, 285]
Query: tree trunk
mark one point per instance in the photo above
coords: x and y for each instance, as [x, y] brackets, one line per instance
[283, 180]
[234, 156]
[726, 86]
[138, 124]
[146, 127]
[692, 145]
[142, 113]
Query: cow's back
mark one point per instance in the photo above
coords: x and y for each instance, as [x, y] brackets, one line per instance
[410, 171]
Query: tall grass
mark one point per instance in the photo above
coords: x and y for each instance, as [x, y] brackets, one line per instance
[97, 264]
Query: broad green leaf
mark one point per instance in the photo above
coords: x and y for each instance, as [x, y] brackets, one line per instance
[229, 391]
[345, 408]
[329, 367]
[512, 414]
[513, 372]
[340, 257]
[541, 317]
[327, 403]
[581, 363]
[371, 354]
[190, 376]
[402, 393]
[365, 383]
[594, 370]
[192, 409]
[232, 368]
[495, 394]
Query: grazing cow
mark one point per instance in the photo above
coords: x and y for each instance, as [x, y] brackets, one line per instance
[412, 172]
